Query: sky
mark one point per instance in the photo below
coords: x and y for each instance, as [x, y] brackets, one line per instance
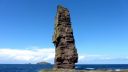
[100, 30]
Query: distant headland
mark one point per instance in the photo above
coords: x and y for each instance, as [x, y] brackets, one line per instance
[43, 62]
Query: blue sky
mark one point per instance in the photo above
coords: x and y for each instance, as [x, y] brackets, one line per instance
[100, 29]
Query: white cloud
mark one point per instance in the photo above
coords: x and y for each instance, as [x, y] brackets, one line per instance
[26, 55]
[102, 59]
[81, 57]
[34, 55]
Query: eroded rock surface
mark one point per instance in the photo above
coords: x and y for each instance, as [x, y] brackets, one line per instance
[65, 52]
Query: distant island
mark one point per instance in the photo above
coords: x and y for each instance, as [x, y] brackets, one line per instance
[43, 62]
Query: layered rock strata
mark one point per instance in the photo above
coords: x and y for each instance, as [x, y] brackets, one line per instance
[65, 52]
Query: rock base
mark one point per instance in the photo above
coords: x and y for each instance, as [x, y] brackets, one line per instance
[73, 70]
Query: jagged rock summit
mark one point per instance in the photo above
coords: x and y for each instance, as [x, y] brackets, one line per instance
[65, 52]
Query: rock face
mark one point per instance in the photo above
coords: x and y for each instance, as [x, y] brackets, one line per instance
[65, 52]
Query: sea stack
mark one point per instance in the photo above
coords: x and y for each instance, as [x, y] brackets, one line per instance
[65, 51]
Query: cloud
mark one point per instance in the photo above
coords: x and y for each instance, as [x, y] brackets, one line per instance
[34, 55]
[101, 59]
[26, 55]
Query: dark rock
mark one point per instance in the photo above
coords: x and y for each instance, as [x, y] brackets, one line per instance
[65, 53]
[42, 63]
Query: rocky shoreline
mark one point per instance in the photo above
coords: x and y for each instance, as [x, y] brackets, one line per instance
[73, 70]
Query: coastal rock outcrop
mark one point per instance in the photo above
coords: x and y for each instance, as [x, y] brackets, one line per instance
[65, 52]
[43, 62]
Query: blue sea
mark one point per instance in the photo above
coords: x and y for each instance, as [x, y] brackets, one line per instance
[37, 67]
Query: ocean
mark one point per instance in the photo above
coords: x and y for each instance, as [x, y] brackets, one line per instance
[37, 67]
